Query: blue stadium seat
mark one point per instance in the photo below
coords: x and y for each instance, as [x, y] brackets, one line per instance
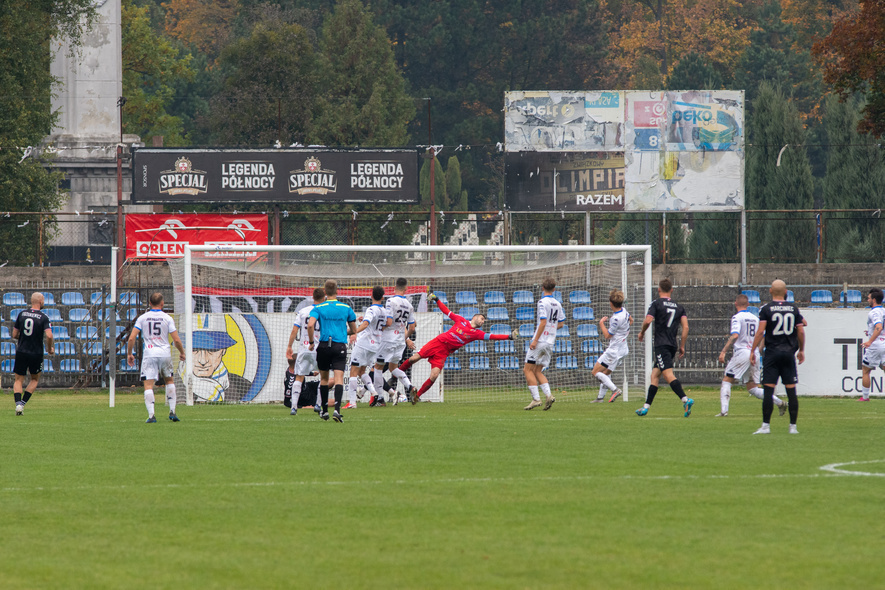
[476, 347]
[6, 335]
[95, 298]
[452, 364]
[468, 312]
[442, 296]
[7, 348]
[850, 296]
[494, 298]
[60, 333]
[504, 347]
[558, 296]
[588, 331]
[500, 329]
[48, 298]
[590, 362]
[752, 296]
[790, 297]
[525, 313]
[93, 348]
[526, 330]
[69, 365]
[465, 298]
[132, 314]
[47, 366]
[753, 309]
[583, 313]
[65, 349]
[120, 330]
[6, 365]
[479, 363]
[124, 366]
[105, 314]
[508, 363]
[497, 314]
[13, 298]
[72, 298]
[13, 315]
[566, 362]
[86, 332]
[579, 297]
[821, 296]
[525, 345]
[523, 297]
[53, 314]
[78, 314]
[562, 346]
[129, 298]
[591, 346]
[563, 332]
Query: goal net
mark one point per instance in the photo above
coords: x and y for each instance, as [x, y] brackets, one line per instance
[235, 311]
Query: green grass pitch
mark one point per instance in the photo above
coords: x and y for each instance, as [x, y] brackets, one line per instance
[441, 496]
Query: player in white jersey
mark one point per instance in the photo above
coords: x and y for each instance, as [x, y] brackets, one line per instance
[368, 343]
[156, 327]
[303, 363]
[617, 331]
[394, 340]
[874, 345]
[743, 329]
[537, 358]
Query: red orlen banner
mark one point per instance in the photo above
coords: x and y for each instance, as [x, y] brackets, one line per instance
[164, 235]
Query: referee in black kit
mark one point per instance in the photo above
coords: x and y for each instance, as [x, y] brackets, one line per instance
[783, 328]
[337, 321]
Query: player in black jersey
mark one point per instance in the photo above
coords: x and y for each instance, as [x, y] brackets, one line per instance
[31, 326]
[783, 329]
[667, 316]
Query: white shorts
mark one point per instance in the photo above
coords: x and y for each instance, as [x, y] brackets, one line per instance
[391, 352]
[541, 355]
[612, 357]
[156, 367]
[363, 357]
[306, 362]
[874, 356]
[740, 369]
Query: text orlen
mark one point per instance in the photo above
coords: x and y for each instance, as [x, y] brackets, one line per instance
[248, 175]
[376, 175]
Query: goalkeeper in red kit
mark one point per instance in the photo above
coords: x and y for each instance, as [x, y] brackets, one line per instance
[438, 350]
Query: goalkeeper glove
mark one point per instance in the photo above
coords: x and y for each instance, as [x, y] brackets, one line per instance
[514, 334]
[431, 297]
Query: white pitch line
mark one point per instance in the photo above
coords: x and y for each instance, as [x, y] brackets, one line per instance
[836, 468]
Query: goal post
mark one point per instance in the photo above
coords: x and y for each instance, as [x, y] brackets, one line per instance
[236, 309]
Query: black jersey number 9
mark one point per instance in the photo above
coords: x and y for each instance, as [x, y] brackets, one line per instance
[29, 326]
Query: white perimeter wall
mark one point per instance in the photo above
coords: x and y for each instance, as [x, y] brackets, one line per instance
[833, 353]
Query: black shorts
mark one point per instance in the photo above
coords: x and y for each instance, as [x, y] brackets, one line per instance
[664, 357]
[332, 356]
[26, 362]
[776, 363]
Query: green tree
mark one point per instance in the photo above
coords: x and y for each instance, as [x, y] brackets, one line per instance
[269, 88]
[693, 72]
[453, 182]
[778, 177]
[440, 196]
[362, 99]
[151, 66]
[27, 32]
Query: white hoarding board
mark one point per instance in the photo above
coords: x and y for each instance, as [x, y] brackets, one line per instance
[833, 353]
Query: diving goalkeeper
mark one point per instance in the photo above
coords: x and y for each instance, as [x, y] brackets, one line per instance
[438, 350]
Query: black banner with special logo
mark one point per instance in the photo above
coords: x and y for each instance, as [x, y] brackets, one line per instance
[170, 175]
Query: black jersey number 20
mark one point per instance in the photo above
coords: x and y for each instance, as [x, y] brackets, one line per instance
[783, 324]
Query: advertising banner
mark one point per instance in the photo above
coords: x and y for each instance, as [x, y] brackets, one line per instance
[164, 235]
[591, 181]
[170, 175]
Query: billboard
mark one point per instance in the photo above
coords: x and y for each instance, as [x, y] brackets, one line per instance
[162, 236]
[586, 181]
[288, 175]
[679, 151]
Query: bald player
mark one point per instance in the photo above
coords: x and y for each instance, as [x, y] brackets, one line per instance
[31, 327]
[782, 328]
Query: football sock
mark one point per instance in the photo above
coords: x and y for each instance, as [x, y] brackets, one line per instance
[401, 375]
[26, 396]
[390, 384]
[367, 381]
[351, 390]
[767, 403]
[171, 398]
[725, 395]
[404, 366]
[793, 404]
[533, 389]
[324, 397]
[676, 386]
[149, 401]
[427, 385]
[296, 392]
[606, 380]
[545, 389]
[602, 389]
[288, 382]
[18, 397]
[339, 394]
[865, 392]
[650, 397]
[379, 382]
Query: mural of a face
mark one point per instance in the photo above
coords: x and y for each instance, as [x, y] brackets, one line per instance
[206, 361]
